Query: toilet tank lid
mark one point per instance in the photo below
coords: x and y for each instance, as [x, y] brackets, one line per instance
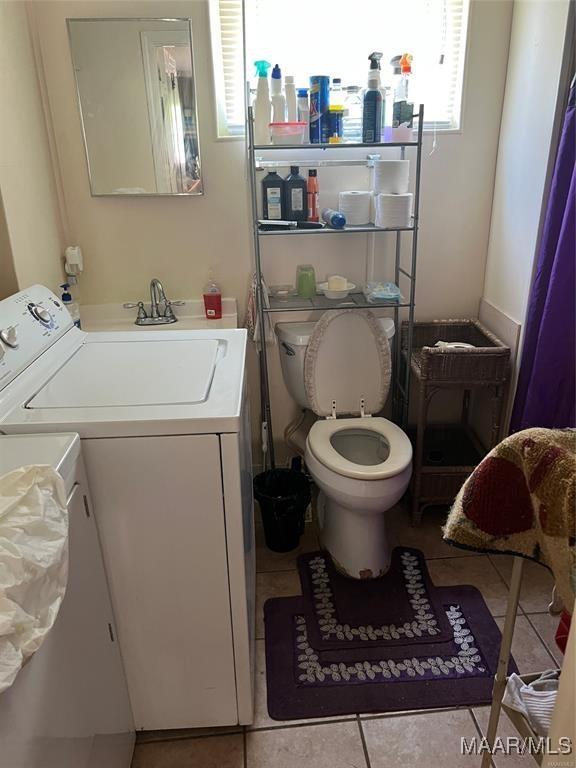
[298, 334]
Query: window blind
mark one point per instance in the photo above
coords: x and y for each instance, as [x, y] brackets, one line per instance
[310, 38]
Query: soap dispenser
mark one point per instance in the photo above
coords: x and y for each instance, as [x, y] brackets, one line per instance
[70, 304]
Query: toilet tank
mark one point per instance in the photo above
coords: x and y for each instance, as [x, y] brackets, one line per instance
[292, 342]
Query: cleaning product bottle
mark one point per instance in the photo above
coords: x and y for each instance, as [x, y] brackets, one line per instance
[291, 104]
[403, 110]
[273, 197]
[262, 105]
[303, 106]
[372, 107]
[313, 195]
[336, 93]
[70, 304]
[212, 299]
[295, 196]
[278, 99]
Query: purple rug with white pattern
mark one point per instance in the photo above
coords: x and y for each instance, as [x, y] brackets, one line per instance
[398, 608]
[305, 681]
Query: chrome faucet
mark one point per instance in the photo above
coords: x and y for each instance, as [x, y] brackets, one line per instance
[157, 298]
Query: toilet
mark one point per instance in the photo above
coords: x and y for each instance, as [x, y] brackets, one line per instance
[340, 368]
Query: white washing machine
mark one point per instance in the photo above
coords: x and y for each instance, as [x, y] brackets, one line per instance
[69, 706]
[165, 429]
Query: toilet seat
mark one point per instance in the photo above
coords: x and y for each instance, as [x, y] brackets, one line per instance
[320, 444]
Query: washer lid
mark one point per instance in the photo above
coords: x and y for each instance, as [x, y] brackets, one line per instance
[125, 373]
[347, 361]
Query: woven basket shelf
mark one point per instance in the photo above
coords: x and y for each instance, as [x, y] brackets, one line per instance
[488, 363]
[445, 455]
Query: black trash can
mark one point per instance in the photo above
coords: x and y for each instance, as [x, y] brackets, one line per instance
[283, 495]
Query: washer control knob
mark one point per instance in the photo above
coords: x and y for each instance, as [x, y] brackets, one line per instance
[41, 314]
[9, 336]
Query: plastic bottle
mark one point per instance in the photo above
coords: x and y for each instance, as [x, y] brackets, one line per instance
[313, 195]
[333, 218]
[291, 104]
[278, 99]
[295, 196]
[352, 119]
[319, 105]
[403, 110]
[70, 304]
[212, 299]
[273, 197]
[262, 104]
[372, 107]
[303, 106]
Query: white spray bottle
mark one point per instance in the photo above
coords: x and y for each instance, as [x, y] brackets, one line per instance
[262, 105]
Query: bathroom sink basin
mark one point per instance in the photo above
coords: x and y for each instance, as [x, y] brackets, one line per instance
[114, 317]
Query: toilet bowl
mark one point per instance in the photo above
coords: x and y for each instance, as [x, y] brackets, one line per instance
[340, 369]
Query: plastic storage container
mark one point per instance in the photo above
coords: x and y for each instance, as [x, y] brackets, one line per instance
[288, 133]
[283, 495]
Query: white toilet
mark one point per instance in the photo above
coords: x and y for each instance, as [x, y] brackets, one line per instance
[340, 368]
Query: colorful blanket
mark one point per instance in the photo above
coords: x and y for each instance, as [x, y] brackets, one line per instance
[520, 500]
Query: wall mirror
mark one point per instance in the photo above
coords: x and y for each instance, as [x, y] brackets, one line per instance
[136, 92]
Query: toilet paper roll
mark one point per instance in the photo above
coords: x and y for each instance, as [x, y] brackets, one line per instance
[356, 206]
[393, 210]
[391, 176]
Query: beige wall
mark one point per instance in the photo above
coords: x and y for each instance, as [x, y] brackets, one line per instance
[26, 176]
[8, 282]
[534, 70]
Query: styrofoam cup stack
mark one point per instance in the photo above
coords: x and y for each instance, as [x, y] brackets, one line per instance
[356, 205]
[391, 176]
[393, 210]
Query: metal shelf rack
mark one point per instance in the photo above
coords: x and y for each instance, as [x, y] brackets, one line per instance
[265, 305]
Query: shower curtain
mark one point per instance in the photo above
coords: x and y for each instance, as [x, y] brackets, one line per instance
[546, 393]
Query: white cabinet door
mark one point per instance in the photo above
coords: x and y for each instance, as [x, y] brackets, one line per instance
[69, 705]
[160, 513]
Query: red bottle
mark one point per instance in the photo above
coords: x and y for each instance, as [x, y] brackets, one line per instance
[212, 300]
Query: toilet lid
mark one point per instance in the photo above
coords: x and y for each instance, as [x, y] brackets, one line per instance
[347, 360]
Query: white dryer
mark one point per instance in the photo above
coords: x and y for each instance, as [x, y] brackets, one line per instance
[69, 706]
[165, 430]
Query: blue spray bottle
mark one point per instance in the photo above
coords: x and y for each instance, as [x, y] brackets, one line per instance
[372, 109]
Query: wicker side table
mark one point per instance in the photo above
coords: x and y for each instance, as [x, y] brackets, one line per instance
[444, 455]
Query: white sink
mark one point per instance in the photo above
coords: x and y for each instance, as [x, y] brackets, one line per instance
[113, 317]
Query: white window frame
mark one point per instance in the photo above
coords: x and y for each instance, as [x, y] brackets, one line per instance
[234, 132]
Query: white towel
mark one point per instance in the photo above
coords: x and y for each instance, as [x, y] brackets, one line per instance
[535, 701]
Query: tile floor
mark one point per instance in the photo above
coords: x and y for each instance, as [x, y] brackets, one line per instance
[417, 739]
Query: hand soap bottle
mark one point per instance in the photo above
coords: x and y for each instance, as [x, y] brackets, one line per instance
[70, 304]
[212, 299]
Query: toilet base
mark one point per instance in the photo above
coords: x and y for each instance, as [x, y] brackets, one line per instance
[357, 543]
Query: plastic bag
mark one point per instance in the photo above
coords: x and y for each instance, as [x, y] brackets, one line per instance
[33, 562]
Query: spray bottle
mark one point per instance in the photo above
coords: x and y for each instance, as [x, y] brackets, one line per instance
[372, 108]
[403, 110]
[262, 105]
[278, 98]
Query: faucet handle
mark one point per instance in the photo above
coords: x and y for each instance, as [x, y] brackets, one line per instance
[139, 305]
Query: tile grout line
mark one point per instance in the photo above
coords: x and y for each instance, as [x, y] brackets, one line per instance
[363, 740]
[287, 725]
[479, 730]
[548, 651]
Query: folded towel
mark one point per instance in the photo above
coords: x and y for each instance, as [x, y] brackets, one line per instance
[251, 320]
[535, 700]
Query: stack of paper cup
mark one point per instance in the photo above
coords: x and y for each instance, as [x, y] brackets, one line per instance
[391, 176]
[393, 210]
[356, 206]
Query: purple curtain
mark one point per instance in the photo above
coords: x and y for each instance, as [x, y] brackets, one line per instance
[545, 396]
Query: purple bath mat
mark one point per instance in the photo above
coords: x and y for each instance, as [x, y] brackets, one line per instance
[398, 608]
[304, 682]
